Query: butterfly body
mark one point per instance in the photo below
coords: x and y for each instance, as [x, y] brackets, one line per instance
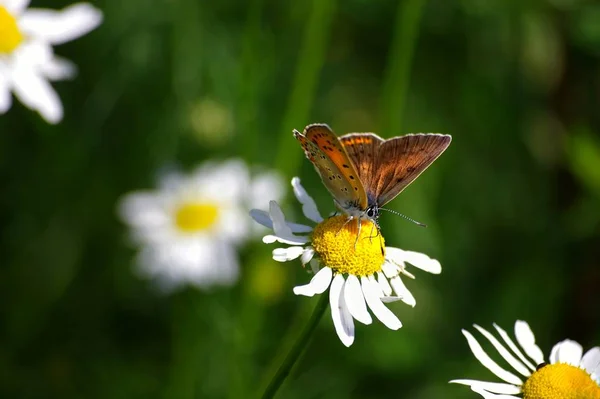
[362, 171]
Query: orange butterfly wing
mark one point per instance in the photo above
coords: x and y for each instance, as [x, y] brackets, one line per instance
[386, 167]
[338, 173]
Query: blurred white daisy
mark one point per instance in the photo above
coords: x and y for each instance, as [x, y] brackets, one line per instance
[189, 229]
[569, 375]
[360, 272]
[27, 61]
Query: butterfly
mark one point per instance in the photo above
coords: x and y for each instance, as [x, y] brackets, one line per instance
[362, 171]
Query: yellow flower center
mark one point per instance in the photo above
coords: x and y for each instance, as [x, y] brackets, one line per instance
[560, 381]
[340, 246]
[193, 217]
[10, 36]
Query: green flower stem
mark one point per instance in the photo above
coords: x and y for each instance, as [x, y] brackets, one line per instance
[395, 87]
[297, 348]
[185, 350]
[309, 65]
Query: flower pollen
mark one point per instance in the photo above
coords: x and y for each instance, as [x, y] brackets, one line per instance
[191, 217]
[560, 381]
[339, 245]
[10, 36]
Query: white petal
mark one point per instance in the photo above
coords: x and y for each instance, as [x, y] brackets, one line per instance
[57, 27]
[287, 254]
[307, 255]
[591, 361]
[384, 284]
[395, 255]
[422, 262]
[488, 395]
[567, 351]
[390, 299]
[342, 320]
[270, 239]
[263, 218]
[390, 269]
[309, 207]
[190, 261]
[356, 301]
[281, 229]
[143, 209]
[488, 363]
[5, 92]
[58, 68]
[32, 54]
[517, 365]
[389, 319]
[494, 387]
[318, 284]
[299, 228]
[405, 295]
[511, 344]
[375, 286]
[15, 7]
[526, 339]
[36, 93]
[226, 181]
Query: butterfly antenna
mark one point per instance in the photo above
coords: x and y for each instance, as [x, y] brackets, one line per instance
[404, 216]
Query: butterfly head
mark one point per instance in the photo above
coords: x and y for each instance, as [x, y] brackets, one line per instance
[372, 212]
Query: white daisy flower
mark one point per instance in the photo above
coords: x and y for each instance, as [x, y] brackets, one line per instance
[570, 374]
[189, 229]
[27, 61]
[360, 272]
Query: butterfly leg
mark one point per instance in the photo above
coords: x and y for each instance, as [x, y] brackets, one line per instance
[375, 225]
[358, 233]
[350, 218]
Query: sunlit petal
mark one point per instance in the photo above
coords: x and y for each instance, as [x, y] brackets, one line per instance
[342, 320]
[517, 365]
[403, 293]
[591, 361]
[307, 255]
[59, 27]
[493, 387]
[488, 363]
[526, 339]
[36, 93]
[389, 319]
[384, 284]
[287, 254]
[15, 7]
[317, 285]
[309, 207]
[567, 351]
[5, 92]
[355, 300]
[511, 344]
[58, 68]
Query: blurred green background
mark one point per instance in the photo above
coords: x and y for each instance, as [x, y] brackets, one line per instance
[513, 206]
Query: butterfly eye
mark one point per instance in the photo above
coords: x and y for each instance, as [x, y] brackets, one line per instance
[371, 212]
